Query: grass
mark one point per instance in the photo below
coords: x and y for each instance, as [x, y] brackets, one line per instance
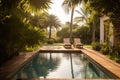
[61, 44]
[88, 46]
[55, 44]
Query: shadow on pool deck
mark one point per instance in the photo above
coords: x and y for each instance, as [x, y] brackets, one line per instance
[17, 62]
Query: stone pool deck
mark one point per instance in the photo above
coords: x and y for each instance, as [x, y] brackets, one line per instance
[16, 62]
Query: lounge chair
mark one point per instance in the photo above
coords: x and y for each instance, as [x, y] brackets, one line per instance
[67, 42]
[77, 43]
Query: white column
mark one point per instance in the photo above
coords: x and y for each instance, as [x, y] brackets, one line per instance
[111, 35]
[101, 30]
[102, 19]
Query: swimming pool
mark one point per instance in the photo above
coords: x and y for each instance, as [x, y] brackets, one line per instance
[61, 65]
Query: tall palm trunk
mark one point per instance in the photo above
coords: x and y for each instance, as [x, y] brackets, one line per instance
[71, 24]
[50, 32]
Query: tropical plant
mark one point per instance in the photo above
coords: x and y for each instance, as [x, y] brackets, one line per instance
[70, 5]
[16, 31]
[84, 34]
[85, 19]
[39, 20]
[64, 32]
[112, 10]
[84, 16]
[90, 18]
[52, 22]
[96, 46]
[95, 23]
[40, 4]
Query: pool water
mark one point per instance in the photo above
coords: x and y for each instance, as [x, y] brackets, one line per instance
[60, 65]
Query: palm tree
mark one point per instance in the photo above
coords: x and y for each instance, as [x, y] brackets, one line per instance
[95, 22]
[34, 5]
[94, 19]
[12, 21]
[70, 5]
[40, 4]
[84, 16]
[52, 22]
[90, 18]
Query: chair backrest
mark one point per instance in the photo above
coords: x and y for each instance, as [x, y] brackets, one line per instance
[66, 40]
[77, 40]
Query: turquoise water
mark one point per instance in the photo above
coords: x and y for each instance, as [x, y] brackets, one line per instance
[60, 65]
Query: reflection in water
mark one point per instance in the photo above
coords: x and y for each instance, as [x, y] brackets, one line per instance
[72, 72]
[60, 65]
[40, 66]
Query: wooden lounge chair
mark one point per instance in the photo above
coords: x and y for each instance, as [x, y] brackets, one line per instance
[67, 42]
[77, 43]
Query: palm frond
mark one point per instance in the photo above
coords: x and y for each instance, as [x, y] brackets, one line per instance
[84, 12]
[40, 4]
[79, 12]
[69, 4]
[79, 19]
[66, 6]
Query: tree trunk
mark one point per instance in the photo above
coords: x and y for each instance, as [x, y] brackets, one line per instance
[71, 24]
[116, 33]
[50, 32]
[93, 32]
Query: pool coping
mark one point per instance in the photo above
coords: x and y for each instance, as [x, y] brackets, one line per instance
[15, 63]
[7, 69]
[104, 61]
[64, 79]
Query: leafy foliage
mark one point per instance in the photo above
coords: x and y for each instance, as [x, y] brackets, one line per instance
[39, 20]
[110, 8]
[50, 41]
[84, 16]
[63, 33]
[69, 4]
[82, 32]
[111, 51]
[52, 22]
[16, 29]
[40, 4]
[34, 5]
[96, 46]
[106, 6]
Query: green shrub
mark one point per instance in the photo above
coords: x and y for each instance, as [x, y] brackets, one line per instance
[96, 46]
[116, 54]
[111, 52]
[106, 48]
[50, 41]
